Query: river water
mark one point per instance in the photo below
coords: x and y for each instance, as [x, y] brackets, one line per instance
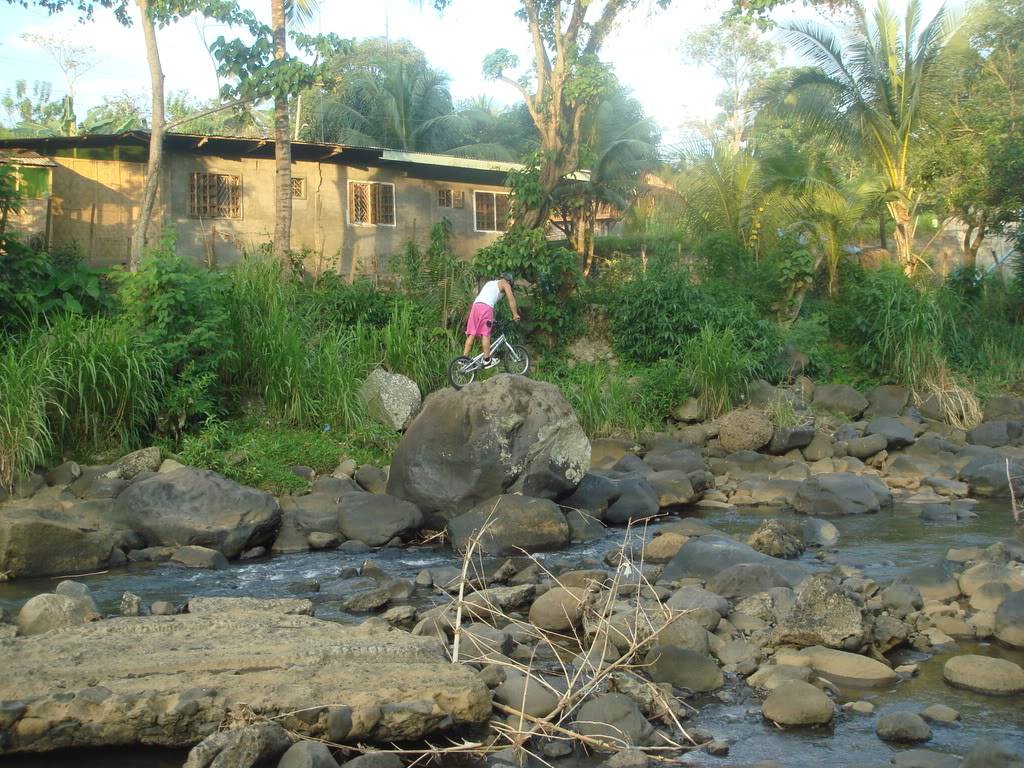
[883, 546]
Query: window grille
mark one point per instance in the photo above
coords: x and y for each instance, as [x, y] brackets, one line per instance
[371, 202]
[215, 196]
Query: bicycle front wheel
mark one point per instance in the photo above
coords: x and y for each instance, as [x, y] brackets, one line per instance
[516, 360]
[461, 372]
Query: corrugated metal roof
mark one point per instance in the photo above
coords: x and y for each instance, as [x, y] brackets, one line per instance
[16, 156]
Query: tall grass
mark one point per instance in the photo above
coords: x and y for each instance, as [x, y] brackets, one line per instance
[718, 368]
[29, 391]
[112, 383]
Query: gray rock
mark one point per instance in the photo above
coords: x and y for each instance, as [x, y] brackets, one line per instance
[774, 540]
[243, 747]
[189, 664]
[199, 557]
[64, 474]
[995, 434]
[819, 448]
[510, 524]
[307, 754]
[131, 604]
[785, 439]
[196, 506]
[615, 719]
[36, 540]
[371, 479]
[796, 703]
[744, 430]
[865, 447]
[745, 579]
[934, 581]
[984, 674]
[376, 518]
[583, 527]
[837, 494]
[633, 499]
[627, 758]
[822, 615]
[1004, 407]
[130, 466]
[1009, 625]
[987, 476]
[901, 599]
[375, 760]
[903, 728]
[924, 758]
[840, 398]
[558, 609]
[819, 533]
[887, 400]
[988, 754]
[283, 606]
[390, 398]
[533, 696]
[940, 713]
[896, 433]
[673, 488]
[683, 668]
[691, 598]
[508, 434]
[842, 667]
[705, 556]
[47, 611]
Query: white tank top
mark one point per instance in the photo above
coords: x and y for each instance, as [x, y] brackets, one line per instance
[490, 294]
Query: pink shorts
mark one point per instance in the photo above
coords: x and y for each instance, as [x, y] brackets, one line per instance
[481, 317]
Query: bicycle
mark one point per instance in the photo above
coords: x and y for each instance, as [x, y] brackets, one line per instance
[514, 358]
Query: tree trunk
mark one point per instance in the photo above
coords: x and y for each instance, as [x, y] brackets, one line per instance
[903, 216]
[882, 241]
[156, 138]
[973, 244]
[282, 143]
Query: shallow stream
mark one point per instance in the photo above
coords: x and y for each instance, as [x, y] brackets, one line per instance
[883, 546]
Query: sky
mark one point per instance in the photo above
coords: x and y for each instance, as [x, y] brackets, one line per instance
[645, 50]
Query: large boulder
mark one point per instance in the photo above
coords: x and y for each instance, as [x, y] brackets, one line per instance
[683, 668]
[39, 541]
[508, 434]
[615, 719]
[197, 506]
[903, 728]
[841, 493]
[511, 524]
[745, 579]
[991, 475]
[201, 670]
[1004, 407]
[887, 400]
[842, 667]
[744, 430]
[708, 555]
[1010, 620]
[824, 615]
[774, 540]
[390, 398]
[798, 703]
[896, 433]
[48, 611]
[785, 439]
[377, 518]
[840, 398]
[996, 434]
[558, 609]
[311, 513]
[984, 674]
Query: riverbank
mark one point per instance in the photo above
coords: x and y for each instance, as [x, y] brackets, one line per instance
[905, 517]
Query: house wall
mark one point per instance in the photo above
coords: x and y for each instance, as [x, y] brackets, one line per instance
[320, 222]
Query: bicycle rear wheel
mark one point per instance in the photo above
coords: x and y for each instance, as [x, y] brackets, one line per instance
[461, 372]
[516, 359]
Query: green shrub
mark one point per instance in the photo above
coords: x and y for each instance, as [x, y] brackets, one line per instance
[551, 306]
[719, 368]
[334, 302]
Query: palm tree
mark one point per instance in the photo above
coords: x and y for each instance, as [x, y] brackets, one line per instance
[280, 12]
[883, 80]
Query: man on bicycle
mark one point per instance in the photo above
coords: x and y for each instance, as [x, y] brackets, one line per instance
[481, 316]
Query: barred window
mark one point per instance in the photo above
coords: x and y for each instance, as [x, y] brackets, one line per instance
[215, 196]
[491, 211]
[371, 202]
[299, 187]
[450, 198]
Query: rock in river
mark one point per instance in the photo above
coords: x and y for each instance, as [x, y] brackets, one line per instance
[984, 674]
[173, 680]
[1009, 625]
[511, 524]
[797, 703]
[196, 506]
[508, 434]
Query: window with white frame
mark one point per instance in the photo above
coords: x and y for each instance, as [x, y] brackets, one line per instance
[450, 198]
[491, 211]
[371, 203]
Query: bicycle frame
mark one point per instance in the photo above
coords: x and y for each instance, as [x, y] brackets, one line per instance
[496, 347]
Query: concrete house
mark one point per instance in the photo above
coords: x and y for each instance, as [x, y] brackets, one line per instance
[353, 207]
